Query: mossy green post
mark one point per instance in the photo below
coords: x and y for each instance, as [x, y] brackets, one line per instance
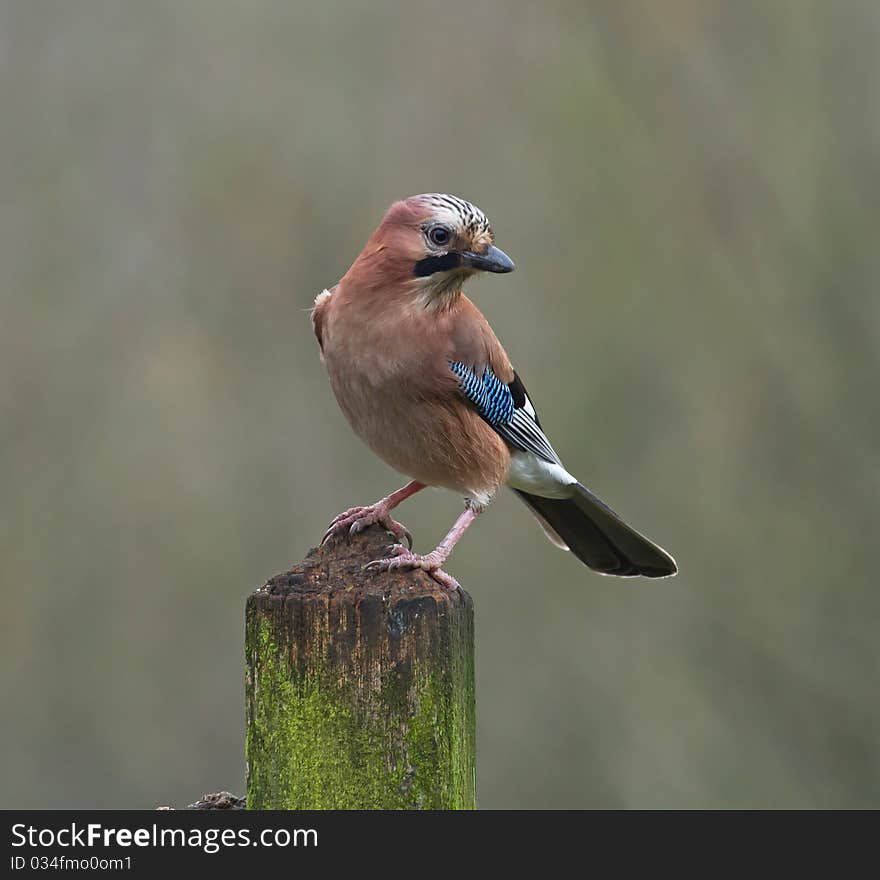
[360, 687]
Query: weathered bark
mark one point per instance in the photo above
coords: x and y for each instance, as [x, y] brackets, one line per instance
[360, 687]
[218, 800]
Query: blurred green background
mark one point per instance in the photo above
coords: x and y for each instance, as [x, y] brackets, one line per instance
[690, 191]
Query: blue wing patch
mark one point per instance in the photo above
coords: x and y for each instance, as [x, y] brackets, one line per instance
[516, 422]
[491, 397]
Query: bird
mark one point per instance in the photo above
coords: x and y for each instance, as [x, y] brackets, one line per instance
[423, 380]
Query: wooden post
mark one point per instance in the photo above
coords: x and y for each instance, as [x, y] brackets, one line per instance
[360, 687]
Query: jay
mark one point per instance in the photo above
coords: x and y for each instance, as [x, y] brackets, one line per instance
[425, 383]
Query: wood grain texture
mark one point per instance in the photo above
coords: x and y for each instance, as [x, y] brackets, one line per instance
[360, 687]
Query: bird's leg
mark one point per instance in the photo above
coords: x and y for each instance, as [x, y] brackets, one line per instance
[401, 558]
[356, 519]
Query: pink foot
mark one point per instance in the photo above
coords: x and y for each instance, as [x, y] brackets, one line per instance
[406, 560]
[356, 519]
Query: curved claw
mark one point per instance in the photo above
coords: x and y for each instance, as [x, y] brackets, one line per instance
[400, 558]
[406, 534]
[336, 523]
[328, 534]
[385, 564]
[356, 519]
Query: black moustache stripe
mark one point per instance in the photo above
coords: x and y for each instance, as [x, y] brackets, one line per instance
[430, 265]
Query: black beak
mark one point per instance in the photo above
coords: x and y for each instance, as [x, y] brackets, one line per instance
[494, 260]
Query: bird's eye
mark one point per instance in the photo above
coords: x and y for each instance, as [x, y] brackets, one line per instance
[439, 235]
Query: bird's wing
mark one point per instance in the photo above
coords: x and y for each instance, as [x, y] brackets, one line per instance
[322, 300]
[506, 408]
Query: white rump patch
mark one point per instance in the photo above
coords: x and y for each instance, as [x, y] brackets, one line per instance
[534, 475]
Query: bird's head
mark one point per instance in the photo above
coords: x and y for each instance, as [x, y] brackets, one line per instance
[434, 243]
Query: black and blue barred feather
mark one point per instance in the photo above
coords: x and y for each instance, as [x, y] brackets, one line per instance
[491, 397]
[506, 408]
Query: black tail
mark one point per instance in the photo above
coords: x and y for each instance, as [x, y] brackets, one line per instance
[599, 537]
